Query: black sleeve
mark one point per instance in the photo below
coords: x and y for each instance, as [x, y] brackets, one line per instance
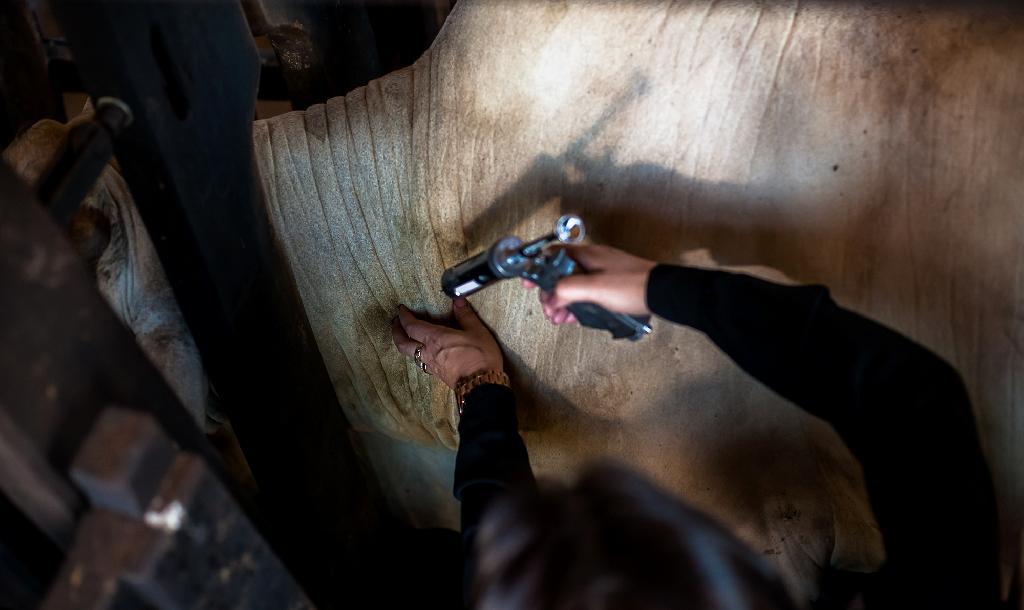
[491, 458]
[902, 410]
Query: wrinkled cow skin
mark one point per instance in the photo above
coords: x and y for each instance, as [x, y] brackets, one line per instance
[873, 149]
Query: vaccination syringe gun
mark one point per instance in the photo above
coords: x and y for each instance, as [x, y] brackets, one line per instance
[509, 258]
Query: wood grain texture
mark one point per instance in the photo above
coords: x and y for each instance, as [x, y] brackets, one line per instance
[108, 232]
[874, 150]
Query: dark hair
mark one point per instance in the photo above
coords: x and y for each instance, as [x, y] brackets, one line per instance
[614, 540]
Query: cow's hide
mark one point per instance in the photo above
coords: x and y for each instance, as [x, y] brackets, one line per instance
[108, 232]
[874, 150]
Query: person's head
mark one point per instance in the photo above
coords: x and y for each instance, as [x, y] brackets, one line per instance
[614, 540]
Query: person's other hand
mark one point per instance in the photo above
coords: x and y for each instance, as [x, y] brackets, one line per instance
[449, 353]
[614, 279]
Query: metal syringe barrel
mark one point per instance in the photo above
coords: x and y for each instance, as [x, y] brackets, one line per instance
[474, 273]
[505, 259]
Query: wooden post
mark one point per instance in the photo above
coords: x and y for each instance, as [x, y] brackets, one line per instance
[189, 77]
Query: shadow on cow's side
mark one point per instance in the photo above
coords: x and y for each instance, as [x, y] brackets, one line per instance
[659, 213]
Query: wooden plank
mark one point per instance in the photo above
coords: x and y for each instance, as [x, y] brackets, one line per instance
[26, 95]
[64, 356]
[190, 78]
[34, 487]
[324, 49]
[164, 532]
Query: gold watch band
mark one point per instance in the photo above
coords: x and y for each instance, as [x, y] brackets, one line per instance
[467, 384]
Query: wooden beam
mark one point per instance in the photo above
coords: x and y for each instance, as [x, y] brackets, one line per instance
[190, 78]
[26, 94]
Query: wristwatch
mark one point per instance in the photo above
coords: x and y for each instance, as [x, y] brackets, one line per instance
[468, 384]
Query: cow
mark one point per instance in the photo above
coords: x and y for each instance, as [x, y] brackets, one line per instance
[873, 149]
[108, 233]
